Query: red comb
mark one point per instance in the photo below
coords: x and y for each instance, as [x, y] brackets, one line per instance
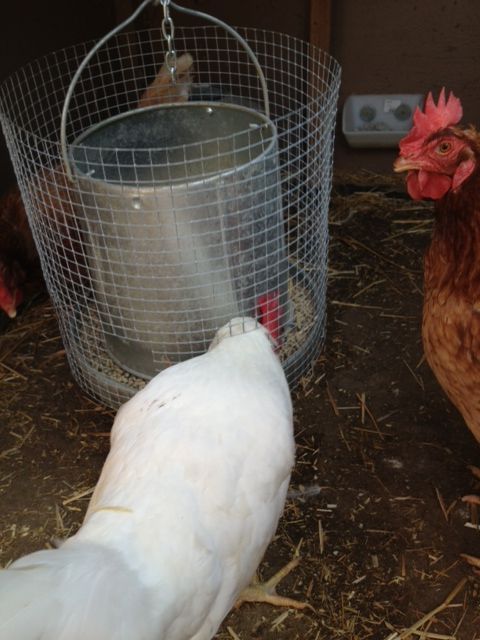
[9, 300]
[434, 118]
[268, 309]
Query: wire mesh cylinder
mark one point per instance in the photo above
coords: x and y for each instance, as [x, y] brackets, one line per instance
[234, 233]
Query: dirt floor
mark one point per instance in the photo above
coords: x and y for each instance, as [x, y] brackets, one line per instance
[382, 459]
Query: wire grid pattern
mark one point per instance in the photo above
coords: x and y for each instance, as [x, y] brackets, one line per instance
[162, 237]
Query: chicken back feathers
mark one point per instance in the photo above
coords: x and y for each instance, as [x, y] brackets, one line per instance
[451, 311]
[186, 504]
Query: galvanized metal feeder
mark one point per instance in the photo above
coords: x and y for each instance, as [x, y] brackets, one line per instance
[156, 225]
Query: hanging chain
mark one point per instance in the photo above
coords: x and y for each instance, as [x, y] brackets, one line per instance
[168, 30]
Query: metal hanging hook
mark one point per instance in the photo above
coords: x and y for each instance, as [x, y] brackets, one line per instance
[168, 31]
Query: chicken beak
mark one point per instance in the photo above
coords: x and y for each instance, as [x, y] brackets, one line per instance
[9, 310]
[405, 164]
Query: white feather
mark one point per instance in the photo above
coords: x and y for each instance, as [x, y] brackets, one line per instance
[186, 504]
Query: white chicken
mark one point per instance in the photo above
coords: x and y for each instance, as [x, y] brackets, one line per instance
[186, 504]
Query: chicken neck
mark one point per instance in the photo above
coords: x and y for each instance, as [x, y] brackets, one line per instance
[452, 261]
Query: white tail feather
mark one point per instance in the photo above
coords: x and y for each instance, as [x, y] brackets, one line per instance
[78, 592]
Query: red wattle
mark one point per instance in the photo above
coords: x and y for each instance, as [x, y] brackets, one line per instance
[423, 184]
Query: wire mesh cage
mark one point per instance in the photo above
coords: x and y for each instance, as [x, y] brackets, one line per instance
[187, 206]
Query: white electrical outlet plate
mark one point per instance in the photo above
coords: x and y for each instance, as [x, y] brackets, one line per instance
[378, 120]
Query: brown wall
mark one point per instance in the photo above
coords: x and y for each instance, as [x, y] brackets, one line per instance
[383, 45]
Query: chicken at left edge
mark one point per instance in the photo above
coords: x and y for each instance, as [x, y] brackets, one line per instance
[187, 502]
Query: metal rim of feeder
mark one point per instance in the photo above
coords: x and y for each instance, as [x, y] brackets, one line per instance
[203, 179]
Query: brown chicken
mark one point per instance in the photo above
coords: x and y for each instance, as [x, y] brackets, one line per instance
[443, 164]
[19, 263]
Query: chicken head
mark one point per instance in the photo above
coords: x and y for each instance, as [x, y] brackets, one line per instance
[438, 156]
[10, 295]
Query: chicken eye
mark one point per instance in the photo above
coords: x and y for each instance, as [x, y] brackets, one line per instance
[444, 147]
